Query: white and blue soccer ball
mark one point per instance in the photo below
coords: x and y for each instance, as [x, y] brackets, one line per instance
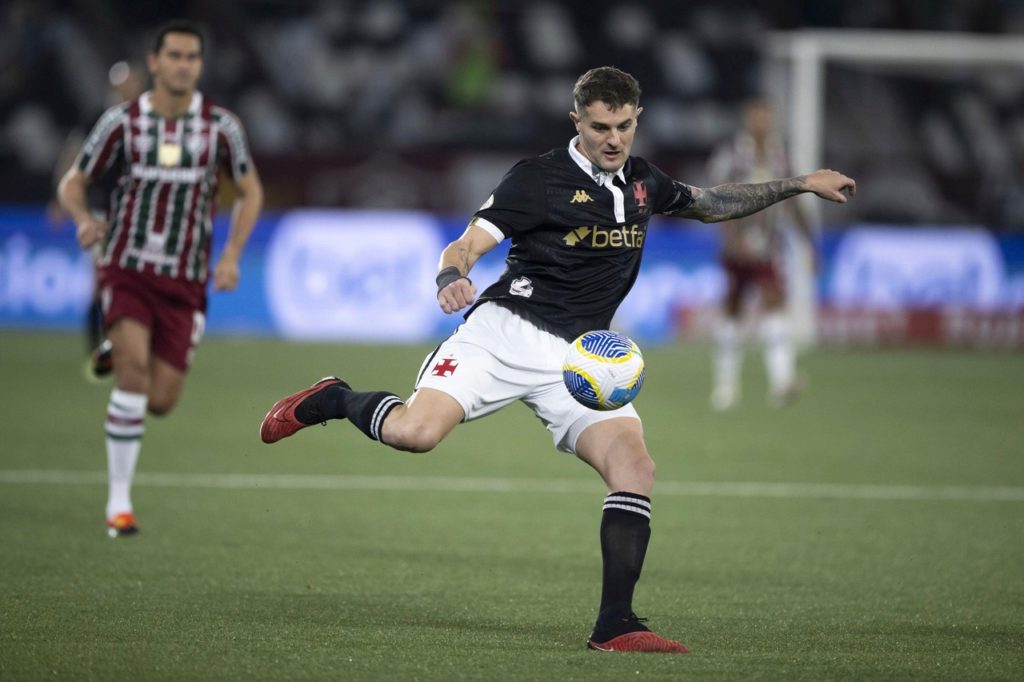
[603, 370]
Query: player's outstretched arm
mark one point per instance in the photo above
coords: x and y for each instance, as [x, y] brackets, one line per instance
[455, 291]
[735, 200]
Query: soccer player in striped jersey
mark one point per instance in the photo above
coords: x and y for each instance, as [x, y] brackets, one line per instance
[577, 217]
[751, 256]
[168, 148]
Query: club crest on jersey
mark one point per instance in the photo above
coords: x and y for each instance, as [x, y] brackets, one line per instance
[195, 143]
[581, 197]
[445, 368]
[521, 286]
[640, 195]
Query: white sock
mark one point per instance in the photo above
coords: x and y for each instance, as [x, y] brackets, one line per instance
[728, 355]
[125, 414]
[779, 357]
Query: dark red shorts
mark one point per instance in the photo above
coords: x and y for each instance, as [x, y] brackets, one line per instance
[748, 273]
[173, 310]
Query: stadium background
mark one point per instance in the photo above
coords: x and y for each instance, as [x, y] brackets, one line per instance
[871, 532]
[421, 107]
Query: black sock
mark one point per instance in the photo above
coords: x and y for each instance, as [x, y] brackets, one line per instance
[367, 411]
[94, 325]
[625, 532]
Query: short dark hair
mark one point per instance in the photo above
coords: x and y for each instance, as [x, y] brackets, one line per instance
[614, 87]
[178, 26]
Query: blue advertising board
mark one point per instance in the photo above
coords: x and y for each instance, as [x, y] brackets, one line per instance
[369, 275]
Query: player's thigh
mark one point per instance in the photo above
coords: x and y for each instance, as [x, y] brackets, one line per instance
[165, 386]
[130, 343]
[737, 282]
[773, 293]
[177, 330]
[616, 449]
[565, 418]
[481, 365]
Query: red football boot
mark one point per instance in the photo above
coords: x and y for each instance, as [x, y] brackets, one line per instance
[122, 525]
[281, 422]
[643, 641]
[630, 634]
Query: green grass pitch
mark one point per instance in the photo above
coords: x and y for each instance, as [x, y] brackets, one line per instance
[873, 531]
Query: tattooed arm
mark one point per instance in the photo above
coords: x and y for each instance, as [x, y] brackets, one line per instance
[735, 200]
[455, 290]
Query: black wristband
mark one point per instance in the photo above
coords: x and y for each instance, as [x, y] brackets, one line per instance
[447, 276]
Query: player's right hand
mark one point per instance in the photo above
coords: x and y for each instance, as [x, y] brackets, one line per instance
[831, 185]
[90, 231]
[457, 295]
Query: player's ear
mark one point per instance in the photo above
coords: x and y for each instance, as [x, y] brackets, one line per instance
[575, 118]
[638, 111]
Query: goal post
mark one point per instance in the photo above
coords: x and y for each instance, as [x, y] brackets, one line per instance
[796, 73]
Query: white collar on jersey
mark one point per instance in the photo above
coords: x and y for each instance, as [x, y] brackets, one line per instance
[146, 105]
[600, 177]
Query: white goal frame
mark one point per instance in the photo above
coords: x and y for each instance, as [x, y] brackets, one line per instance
[796, 63]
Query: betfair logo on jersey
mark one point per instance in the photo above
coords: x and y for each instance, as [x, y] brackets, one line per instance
[597, 237]
[580, 197]
[576, 235]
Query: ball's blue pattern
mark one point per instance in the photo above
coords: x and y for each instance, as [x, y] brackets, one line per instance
[581, 389]
[603, 370]
[606, 344]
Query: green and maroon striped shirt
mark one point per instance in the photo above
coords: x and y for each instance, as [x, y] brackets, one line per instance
[161, 212]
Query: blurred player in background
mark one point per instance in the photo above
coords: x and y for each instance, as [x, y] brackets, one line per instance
[167, 147]
[577, 217]
[751, 255]
[127, 81]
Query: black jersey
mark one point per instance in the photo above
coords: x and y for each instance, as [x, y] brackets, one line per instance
[576, 244]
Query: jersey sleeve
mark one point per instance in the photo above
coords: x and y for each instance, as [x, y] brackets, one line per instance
[517, 204]
[672, 195]
[103, 143]
[232, 143]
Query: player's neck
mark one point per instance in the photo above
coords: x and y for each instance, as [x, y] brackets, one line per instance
[169, 104]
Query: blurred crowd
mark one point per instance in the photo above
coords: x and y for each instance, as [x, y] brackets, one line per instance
[383, 103]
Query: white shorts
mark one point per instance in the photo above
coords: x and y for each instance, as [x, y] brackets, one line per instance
[496, 358]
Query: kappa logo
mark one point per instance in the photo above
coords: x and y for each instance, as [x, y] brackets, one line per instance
[580, 197]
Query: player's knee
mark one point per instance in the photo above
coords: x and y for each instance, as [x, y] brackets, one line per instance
[132, 375]
[413, 435]
[643, 469]
[160, 407]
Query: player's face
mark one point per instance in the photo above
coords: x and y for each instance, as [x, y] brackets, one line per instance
[606, 135]
[759, 120]
[177, 66]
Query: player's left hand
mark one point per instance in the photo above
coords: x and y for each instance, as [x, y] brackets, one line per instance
[225, 275]
[831, 185]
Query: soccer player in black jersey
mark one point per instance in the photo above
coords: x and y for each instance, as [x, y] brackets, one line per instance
[577, 217]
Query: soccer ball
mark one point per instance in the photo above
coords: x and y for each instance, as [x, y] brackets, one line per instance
[603, 370]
